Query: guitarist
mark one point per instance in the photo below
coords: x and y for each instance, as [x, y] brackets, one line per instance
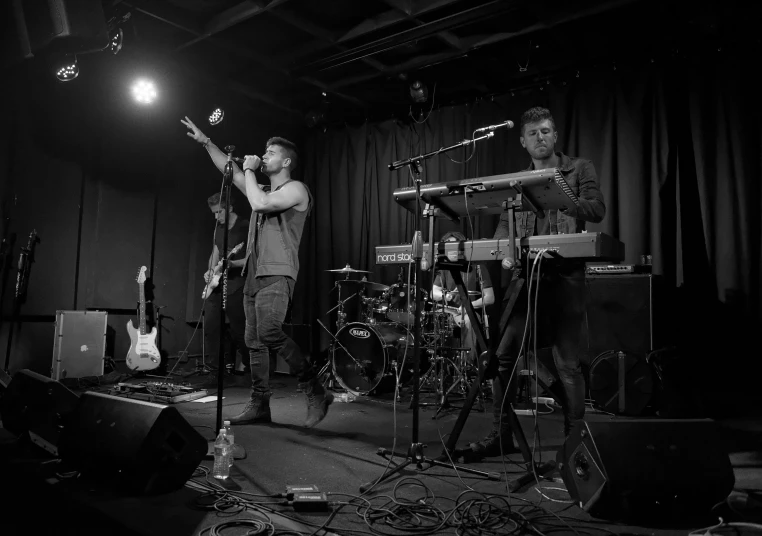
[444, 287]
[238, 229]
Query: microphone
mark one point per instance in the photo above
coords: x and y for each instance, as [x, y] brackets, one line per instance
[507, 124]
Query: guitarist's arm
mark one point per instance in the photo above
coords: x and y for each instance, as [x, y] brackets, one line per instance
[214, 258]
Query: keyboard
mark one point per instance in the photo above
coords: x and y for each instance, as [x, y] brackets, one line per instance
[592, 246]
[485, 195]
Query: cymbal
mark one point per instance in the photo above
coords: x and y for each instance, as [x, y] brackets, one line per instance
[370, 285]
[348, 270]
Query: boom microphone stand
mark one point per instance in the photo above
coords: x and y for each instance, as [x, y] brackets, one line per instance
[415, 450]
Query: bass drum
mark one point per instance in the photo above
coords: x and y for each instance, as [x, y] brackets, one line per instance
[364, 353]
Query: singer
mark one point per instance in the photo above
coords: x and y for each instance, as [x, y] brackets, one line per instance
[562, 284]
[271, 266]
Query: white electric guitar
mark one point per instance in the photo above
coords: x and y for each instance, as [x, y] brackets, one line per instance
[143, 353]
[215, 280]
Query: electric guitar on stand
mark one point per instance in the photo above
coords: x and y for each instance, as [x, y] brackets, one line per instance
[143, 353]
[215, 280]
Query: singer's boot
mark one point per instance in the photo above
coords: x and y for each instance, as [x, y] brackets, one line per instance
[500, 439]
[317, 401]
[256, 411]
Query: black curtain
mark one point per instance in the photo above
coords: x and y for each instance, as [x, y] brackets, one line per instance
[676, 145]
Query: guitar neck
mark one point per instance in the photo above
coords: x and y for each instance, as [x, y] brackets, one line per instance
[142, 314]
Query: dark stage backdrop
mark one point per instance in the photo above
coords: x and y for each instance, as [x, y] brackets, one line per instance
[110, 186]
[676, 148]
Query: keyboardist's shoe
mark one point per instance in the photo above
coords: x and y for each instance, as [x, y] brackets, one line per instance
[500, 439]
[495, 444]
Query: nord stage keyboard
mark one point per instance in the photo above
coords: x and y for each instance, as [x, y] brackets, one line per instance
[593, 246]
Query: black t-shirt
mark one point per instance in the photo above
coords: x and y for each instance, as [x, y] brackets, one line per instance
[238, 235]
[471, 281]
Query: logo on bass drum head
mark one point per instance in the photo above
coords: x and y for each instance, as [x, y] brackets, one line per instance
[359, 333]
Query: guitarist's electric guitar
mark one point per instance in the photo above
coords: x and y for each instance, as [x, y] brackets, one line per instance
[215, 280]
[143, 353]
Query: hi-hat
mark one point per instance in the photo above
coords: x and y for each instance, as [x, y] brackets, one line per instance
[348, 270]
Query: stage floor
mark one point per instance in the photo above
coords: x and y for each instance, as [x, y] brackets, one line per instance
[337, 456]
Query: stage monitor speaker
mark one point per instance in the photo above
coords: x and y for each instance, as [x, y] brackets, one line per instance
[141, 447]
[37, 405]
[655, 469]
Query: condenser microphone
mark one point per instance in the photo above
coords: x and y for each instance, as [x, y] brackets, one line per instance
[507, 124]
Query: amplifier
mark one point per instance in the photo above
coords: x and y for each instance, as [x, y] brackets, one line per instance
[79, 345]
[622, 312]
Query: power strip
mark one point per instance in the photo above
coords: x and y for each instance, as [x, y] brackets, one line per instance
[543, 400]
[523, 411]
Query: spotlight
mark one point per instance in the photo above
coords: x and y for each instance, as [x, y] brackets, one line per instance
[144, 91]
[68, 68]
[216, 116]
[117, 37]
[418, 91]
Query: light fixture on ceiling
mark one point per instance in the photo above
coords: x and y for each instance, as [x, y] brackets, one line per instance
[419, 92]
[67, 69]
[216, 117]
[117, 38]
[144, 91]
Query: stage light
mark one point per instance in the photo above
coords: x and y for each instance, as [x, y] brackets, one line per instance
[418, 91]
[215, 118]
[117, 37]
[68, 68]
[144, 91]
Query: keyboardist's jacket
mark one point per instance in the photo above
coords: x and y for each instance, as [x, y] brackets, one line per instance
[581, 177]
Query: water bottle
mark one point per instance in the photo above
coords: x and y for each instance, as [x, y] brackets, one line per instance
[221, 468]
[231, 439]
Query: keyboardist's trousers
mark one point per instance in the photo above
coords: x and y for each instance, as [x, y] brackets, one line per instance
[559, 318]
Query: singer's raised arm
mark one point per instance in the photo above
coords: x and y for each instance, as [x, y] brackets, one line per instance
[219, 158]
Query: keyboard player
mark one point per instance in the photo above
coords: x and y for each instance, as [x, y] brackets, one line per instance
[562, 285]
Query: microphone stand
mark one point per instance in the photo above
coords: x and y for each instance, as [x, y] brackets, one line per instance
[227, 180]
[415, 450]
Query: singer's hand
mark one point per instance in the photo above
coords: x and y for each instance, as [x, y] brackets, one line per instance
[195, 132]
[252, 161]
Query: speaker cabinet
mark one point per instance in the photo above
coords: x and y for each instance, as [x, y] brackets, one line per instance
[622, 314]
[657, 469]
[79, 345]
[39, 406]
[141, 447]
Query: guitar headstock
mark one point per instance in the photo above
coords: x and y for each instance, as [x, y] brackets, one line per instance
[142, 275]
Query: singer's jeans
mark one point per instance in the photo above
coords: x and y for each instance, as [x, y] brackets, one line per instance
[560, 314]
[265, 312]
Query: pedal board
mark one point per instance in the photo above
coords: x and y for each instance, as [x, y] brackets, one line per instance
[161, 392]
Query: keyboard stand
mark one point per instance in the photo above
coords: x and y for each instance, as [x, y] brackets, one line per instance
[487, 358]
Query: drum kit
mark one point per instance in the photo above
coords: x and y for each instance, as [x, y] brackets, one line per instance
[373, 345]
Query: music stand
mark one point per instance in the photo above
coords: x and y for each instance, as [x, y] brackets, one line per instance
[414, 453]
